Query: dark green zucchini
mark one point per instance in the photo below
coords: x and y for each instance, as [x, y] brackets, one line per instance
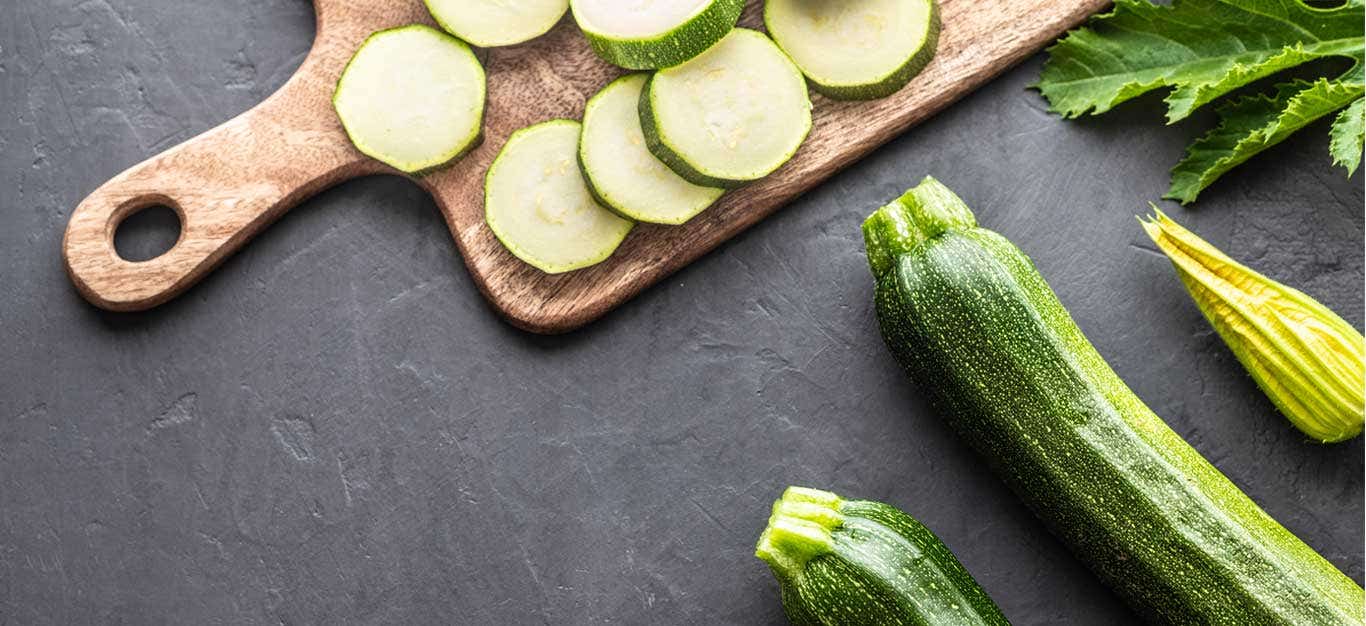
[860, 563]
[978, 329]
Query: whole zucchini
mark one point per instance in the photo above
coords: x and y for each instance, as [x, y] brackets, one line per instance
[862, 563]
[975, 325]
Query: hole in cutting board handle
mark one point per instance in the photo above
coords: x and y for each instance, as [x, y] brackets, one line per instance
[147, 233]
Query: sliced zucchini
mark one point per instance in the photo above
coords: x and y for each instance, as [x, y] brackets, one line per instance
[489, 23]
[856, 50]
[536, 203]
[413, 98]
[620, 171]
[650, 34]
[730, 116]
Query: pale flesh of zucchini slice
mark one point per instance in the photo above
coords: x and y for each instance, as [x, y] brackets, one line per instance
[537, 204]
[732, 115]
[650, 34]
[413, 98]
[489, 23]
[619, 169]
[855, 49]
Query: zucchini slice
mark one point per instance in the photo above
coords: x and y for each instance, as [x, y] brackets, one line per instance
[490, 23]
[536, 203]
[650, 34]
[413, 98]
[856, 50]
[730, 116]
[620, 171]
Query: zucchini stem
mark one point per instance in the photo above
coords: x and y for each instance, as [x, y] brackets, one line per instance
[799, 530]
[924, 212]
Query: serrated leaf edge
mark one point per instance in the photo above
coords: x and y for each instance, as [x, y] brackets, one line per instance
[1185, 194]
[1184, 98]
[1344, 144]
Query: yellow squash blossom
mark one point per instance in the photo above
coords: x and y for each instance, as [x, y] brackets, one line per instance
[1305, 357]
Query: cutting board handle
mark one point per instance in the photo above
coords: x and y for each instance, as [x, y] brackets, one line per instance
[226, 185]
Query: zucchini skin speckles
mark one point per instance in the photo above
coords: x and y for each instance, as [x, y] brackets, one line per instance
[862, 563]
[974, 324]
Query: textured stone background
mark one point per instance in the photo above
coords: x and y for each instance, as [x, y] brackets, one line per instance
[335, 428]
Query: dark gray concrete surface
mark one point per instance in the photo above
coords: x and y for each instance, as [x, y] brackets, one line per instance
[334, 428]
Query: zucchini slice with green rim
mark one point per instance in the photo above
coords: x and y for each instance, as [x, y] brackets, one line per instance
[856, 50]
[490, 23]
[413, 98]
[620, 171]
[536, 202]
[732, 115]
[650, 34]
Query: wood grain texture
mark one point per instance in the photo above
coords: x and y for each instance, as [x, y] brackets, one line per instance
[231, 182]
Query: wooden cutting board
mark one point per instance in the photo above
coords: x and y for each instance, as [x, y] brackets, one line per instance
[231, 182]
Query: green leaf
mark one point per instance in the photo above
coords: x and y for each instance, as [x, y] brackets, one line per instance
[1347, 136]
[1252, 124]
[1202, 49]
